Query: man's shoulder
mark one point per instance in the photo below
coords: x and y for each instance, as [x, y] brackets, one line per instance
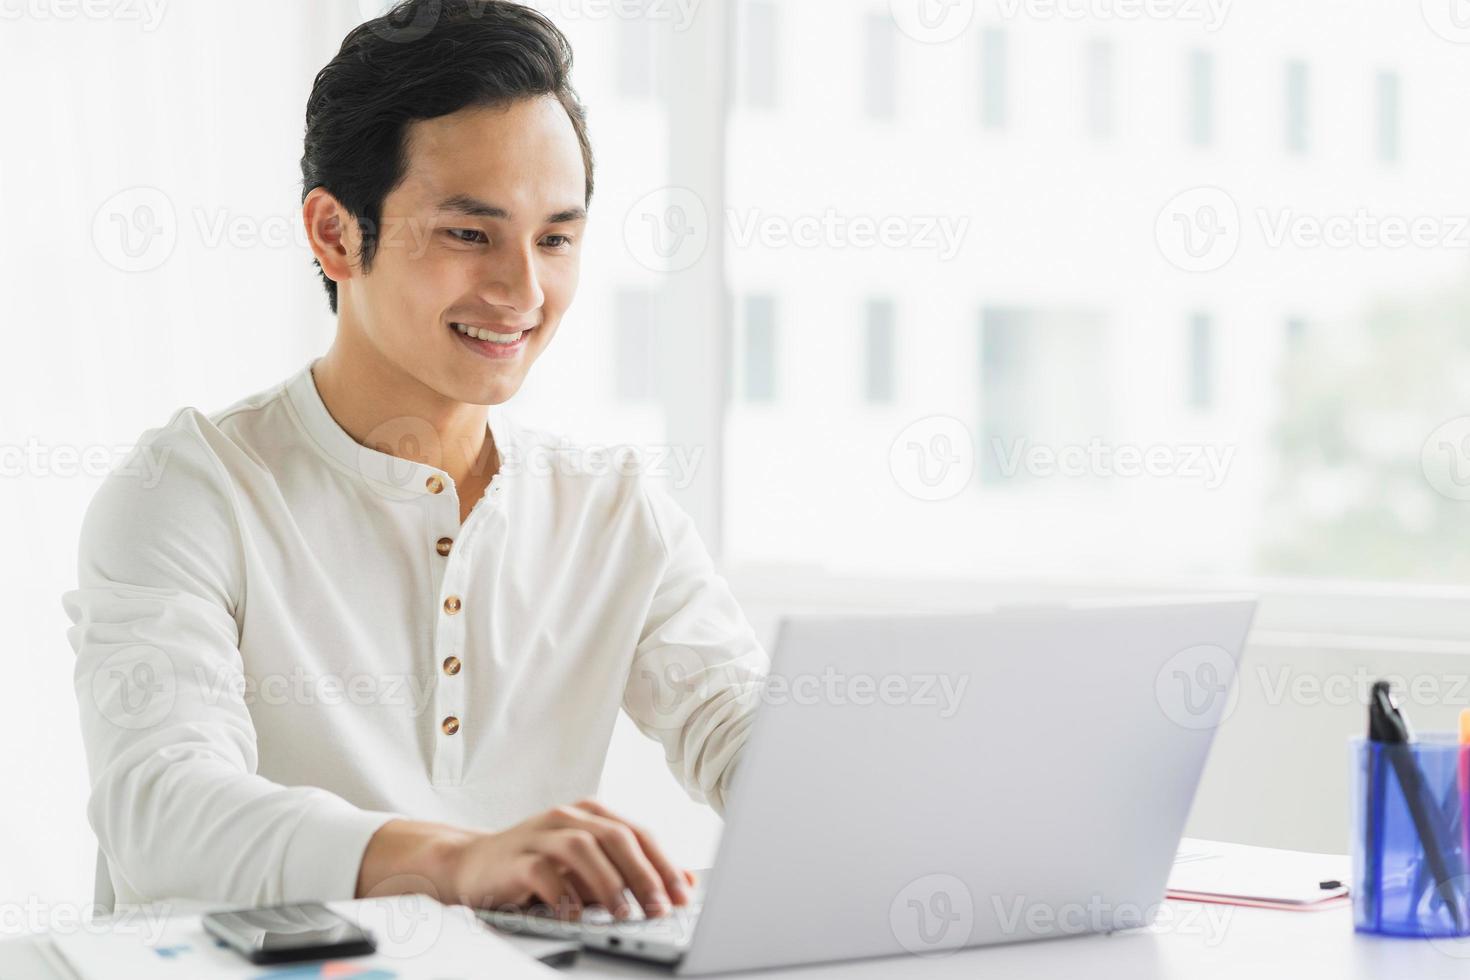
[194, 447]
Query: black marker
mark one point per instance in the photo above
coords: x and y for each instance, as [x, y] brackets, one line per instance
[1387, 726]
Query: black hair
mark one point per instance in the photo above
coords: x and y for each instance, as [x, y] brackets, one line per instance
[420, 60]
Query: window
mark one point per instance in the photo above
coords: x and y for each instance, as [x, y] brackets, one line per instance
[1041, 398]
[635, 338]
[1201, 101]
[1388, 116]
[760, 54]
[879, 68]
[1298, 123]
[1100, 94]
[878, 378]
[1200, 366]
[636, 57]
[760, 349]
[993, 78]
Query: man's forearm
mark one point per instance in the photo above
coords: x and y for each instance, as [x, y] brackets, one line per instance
[412, 857]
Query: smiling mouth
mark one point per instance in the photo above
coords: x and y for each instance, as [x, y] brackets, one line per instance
[493, 336]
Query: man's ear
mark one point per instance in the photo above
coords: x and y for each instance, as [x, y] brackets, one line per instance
[331, 232]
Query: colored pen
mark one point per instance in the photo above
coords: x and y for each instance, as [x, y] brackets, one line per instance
[1465, 786]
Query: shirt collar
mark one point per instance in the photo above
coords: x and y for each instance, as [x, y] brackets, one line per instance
[396, 477]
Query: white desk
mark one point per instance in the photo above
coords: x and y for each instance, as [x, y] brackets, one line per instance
[1201, 942]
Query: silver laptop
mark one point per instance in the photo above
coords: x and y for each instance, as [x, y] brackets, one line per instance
[917, 784]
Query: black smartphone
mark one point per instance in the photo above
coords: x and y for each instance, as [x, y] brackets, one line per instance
[287, 933]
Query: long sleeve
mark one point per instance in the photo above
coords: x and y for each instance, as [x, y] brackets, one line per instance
[698, 671]
[176, 803]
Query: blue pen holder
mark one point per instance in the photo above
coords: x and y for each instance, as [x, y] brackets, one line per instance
[1411, 857]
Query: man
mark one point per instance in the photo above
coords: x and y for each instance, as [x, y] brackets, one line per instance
[365, 635]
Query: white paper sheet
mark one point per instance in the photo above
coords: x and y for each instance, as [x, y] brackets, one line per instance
[417, 938]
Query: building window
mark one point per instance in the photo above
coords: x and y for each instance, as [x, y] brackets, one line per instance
[1200, 369]
[760, 54]
[880, 66]
[1101, 97]
[1201, 88]
[760, 349]
[1388, 116]
[993, 72]
[635, 327]
[878, 376]
[1298, 122]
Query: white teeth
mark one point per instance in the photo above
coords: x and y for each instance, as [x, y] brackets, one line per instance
[490, 335]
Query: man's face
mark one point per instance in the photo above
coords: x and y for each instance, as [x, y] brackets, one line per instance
[482, 234]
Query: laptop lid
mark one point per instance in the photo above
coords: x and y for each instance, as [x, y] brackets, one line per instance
[920, 783]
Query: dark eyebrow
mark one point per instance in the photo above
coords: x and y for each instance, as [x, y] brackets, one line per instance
[473, 206]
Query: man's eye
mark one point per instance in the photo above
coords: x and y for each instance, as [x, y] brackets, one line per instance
[468, 235]
[558, 241]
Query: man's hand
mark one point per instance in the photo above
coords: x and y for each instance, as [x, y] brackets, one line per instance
[567, 858]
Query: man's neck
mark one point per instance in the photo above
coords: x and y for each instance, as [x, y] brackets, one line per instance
[385, 408]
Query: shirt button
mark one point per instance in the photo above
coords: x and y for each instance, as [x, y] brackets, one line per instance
[451, 605]
[451, 665]
[443, 545]
[450, 725]
[434, 484]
